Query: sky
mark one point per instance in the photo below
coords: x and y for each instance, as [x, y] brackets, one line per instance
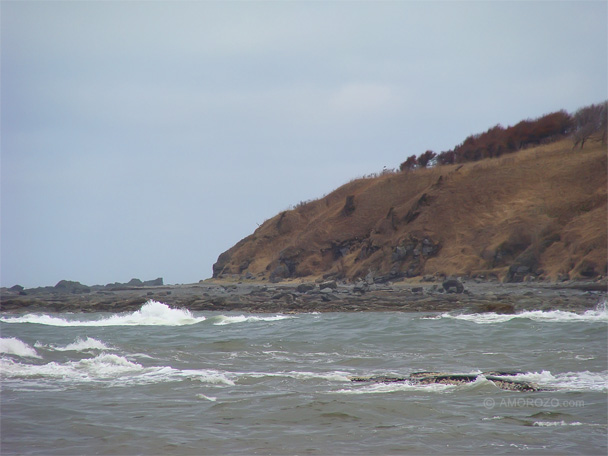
[141, 139]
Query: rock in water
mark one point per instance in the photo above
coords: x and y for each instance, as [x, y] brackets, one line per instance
[444, 378]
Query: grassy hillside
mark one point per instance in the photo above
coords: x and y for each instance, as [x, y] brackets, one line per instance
[540, 213]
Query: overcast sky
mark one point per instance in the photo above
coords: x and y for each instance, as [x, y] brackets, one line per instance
[142, 139]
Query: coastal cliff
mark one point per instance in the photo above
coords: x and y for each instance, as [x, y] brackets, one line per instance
[536, 214]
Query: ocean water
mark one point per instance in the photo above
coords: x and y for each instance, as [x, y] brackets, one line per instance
[168, 381]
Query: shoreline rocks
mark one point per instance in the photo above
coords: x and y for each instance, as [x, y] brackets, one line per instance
[325, 296]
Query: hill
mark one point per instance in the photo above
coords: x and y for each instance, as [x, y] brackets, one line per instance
[538, 214]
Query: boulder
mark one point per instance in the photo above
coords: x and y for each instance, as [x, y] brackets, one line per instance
[328, 284]
[453, 286]
[305, 287]
[68, 286]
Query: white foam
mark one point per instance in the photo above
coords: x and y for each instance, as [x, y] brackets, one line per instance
[228, 320]
[599, 314]
[572, 381]
[113, 370]
[383, 388]
[14, 346]
[89, 343]
[556, 423]
[152, 313]
[337, 376]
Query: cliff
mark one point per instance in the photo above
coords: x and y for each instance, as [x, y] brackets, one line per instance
[537, 214]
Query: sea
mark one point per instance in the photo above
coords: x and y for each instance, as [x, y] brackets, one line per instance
[164, 381]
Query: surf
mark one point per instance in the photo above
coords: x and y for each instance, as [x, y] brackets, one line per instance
[152, 313]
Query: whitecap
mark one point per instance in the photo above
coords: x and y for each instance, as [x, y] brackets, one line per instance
[110, 369]
[337, 376]
[599, 314]
[572, 381]
[222, 320]
[383, 388]
[152, 313]
[89, 343]
[556, 423]
[14, 346]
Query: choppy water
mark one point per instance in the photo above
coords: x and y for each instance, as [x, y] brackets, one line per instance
[164, 381]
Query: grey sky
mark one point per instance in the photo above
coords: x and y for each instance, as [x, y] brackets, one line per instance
[142, 139]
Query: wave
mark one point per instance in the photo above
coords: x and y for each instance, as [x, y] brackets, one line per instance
[556, 423]
[222, 320]
[599, 314]
[152, 313]
[14, 346]
[79, 344]
[109, 369]
[337, 376]
[383, 388]
[571, 381]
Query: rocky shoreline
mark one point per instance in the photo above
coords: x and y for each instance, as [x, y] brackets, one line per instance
[301, 297]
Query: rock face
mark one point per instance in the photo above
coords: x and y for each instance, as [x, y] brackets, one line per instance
[503, 218]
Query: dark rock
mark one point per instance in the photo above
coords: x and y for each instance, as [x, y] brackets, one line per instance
[154, 283]
[426, 378]
[280, 272]
[399, 254]
[498, 307]
[349, 205]
[305, 287]
[328, 284]
[135, 283]
[17, 288]
[417, 290]
[453, 286]
[328, 297]
[68, 286]
[221, 265]
[361, 287]
[523, 265]
[587, 269]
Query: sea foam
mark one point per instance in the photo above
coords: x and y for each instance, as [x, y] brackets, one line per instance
[222, 320]
[152, 313]
[599, 314]
[109, 369]
[86, 344]
[14, 346]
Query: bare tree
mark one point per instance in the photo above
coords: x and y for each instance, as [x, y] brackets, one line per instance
[588, 121]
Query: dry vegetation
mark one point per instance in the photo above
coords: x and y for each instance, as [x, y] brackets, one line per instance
[540, 213]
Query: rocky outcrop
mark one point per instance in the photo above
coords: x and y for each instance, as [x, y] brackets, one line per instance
[68, 286]
[503, 380]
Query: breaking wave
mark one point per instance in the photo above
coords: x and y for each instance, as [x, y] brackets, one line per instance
[109, 369]
[14, 346]
[599, 314]
[88, 343]
[152, 313]
[571, 381]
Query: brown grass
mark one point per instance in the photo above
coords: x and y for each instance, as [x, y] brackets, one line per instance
[548, 199]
